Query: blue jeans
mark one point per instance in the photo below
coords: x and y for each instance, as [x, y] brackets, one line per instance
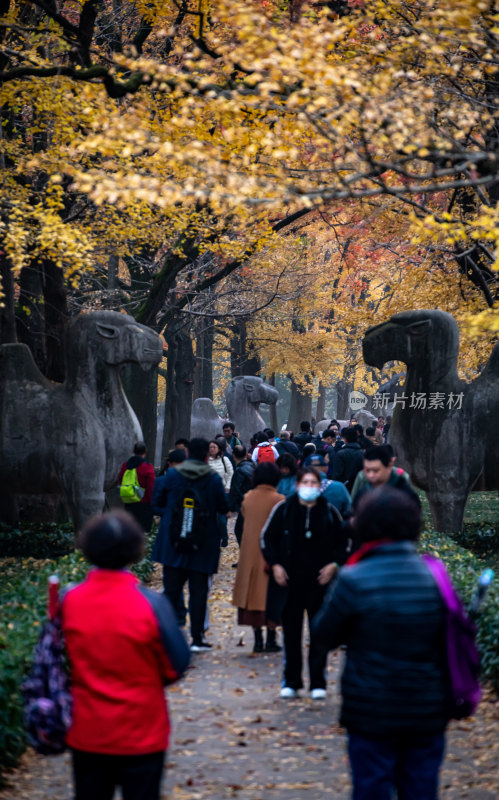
[406, 763]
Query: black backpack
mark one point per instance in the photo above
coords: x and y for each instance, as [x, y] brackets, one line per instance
[190, 519]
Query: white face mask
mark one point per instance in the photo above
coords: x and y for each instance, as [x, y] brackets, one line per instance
[309, 493]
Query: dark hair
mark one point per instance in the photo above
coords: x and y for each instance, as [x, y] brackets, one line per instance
[220, 451]
[308, 471]
[222, 442]
[139, 448]
[388, 419]
[174, 457]
[387, 513]
[389, 449]
[328, 432]
[305, 426]
[270, 433]
[288, 460]
[349, 434]
[358, 428]
[199, 449]
[376, 453]
[334, 422]
[370, 431]
[182, 440]
[239, 451]
[260, 437]
[229, 425]
[112, 540]
[308, 450]
[267, 473]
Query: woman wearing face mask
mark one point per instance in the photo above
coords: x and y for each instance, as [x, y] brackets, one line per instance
[303, 542]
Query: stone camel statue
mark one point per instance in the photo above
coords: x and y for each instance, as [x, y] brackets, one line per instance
[445, 449]
[205, 422]
[71, 438]
[243, 397]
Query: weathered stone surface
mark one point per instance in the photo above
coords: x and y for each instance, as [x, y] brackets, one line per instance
[444, 449]
[205, 422]
[243, 397]
[71, 438]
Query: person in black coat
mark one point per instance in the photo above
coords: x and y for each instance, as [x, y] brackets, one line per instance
[242, 482]
[386, 607]
[302, 541]
[348, 461]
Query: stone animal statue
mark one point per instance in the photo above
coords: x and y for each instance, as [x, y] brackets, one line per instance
[243, 397]
[71, 438]
[445, 449]
[205, 421]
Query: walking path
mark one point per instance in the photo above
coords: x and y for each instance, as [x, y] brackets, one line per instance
[233, 737]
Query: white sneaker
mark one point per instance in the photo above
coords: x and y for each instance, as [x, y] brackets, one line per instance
[288, 692]
[318, 694]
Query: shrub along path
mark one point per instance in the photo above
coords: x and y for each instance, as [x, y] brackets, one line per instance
[234, 738]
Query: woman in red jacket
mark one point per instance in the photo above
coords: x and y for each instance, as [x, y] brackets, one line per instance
[124, 645]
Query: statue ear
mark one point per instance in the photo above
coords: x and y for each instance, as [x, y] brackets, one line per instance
[107, 331]
[248, 387]
[420, 328]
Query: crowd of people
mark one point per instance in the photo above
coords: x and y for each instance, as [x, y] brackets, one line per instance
[326, 527]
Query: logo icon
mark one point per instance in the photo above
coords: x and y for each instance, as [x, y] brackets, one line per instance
[357, 400]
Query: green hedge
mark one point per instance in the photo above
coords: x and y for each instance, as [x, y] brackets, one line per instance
[46, 540]
[23, 600]
[465, 568]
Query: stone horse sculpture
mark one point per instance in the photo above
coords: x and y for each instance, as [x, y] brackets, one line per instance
[243, 397]
[71, 438]
[445, 449]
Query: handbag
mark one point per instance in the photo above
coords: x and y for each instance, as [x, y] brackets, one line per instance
[463, 658]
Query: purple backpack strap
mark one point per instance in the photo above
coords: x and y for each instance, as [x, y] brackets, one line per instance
[440, 574]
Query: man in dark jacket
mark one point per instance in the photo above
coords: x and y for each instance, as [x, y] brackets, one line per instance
[386, 607]
[285, 445]
[196, 566]
[304, 437]
[378, 472]
[349, 460]
[142, 509]
[241, 483]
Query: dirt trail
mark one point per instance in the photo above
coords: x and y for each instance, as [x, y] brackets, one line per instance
[233, 737]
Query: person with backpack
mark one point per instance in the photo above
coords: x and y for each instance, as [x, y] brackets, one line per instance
[386, 607]
[123, 645]
[303, 542]
[188, 499]
[264, 450]
[136, 482]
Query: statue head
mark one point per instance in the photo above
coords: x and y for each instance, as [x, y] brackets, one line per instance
[113, 339]
[250, 389]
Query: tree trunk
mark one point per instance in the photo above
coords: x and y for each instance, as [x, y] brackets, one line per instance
[30, 313]
[243, 360]
[300, 408]
[141, 389]
[56, 318]
[171, 397]
[184, 382]
[274, 424]
[203, 374]
[320, 411]
[8, 334]
[343, 409]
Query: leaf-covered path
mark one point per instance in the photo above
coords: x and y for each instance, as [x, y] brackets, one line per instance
[233, 737]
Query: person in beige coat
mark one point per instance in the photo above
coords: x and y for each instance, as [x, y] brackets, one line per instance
[250, 588]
